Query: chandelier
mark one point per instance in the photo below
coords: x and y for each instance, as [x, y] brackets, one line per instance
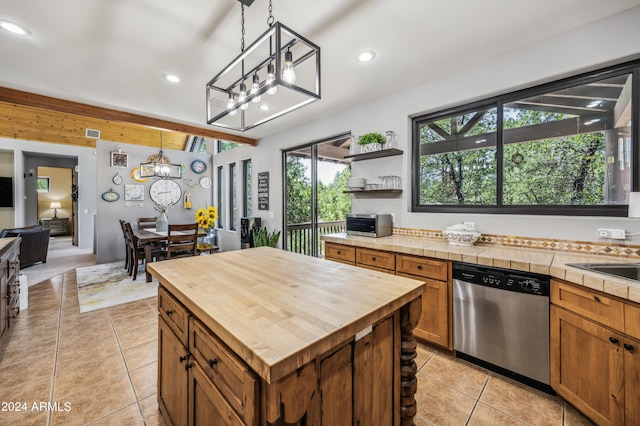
[159, 166]
[276, 74]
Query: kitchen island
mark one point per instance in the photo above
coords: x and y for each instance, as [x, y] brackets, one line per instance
[268, 337]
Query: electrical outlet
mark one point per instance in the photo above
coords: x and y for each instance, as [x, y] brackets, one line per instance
[616, 234]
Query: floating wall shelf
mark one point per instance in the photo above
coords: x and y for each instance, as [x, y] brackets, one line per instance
[375, 154]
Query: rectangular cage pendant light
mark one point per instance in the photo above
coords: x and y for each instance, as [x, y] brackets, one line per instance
[276, 74]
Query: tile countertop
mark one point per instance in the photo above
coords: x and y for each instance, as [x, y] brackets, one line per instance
[546, 262]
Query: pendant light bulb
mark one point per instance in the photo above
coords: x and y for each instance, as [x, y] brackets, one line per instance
[242, 97]
[271, 80]
[288, 74]
[231, 105]
[255, 87]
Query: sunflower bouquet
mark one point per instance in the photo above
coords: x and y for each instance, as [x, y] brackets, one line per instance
[206, 219]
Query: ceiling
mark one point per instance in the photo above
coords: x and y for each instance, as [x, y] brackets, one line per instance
[115, 53]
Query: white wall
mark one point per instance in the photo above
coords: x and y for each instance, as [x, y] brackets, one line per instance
[86, 181]
[609, 41]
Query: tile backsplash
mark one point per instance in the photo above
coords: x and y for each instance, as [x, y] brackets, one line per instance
[578, 247]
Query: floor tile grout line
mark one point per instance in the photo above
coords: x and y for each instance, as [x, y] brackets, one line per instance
[126, 365]
[55, 357]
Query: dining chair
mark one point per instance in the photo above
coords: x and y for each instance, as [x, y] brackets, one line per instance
[127, 260]
[136, 251]
[182, 240]
[146, 222]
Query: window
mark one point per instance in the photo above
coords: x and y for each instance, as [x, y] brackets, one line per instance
[223, 146]
[233, 199]
[220, 193]
[246, 185]
[42, 184]
[562, 148]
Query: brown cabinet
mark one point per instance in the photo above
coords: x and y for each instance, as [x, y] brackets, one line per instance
[340, 253]
[435, 322]
[9, 284]
[198, 378]
[594, 364]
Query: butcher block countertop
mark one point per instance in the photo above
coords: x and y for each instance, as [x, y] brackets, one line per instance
[546, 262]
[6, 243]
[278, 310]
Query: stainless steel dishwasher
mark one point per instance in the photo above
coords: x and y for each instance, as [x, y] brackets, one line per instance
[501, 321]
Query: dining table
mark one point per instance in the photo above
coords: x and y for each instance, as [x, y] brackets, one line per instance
[149, 236]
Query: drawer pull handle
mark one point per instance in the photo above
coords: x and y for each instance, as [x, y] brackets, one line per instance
[596, 298]
[419, 267]
[613, 339]
[188, 366]
[628, 347]
[373, 259]
[169, 312]
[339, 252]
[182, 358]
[212, 362]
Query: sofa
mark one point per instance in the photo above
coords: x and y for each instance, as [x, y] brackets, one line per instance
[34, 245]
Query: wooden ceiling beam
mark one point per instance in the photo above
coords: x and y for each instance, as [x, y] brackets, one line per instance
[70, 107]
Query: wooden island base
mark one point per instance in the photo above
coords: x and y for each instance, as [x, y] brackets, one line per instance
[230, 355]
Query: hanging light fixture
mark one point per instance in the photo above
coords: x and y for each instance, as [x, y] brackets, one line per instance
[283, 68]
[159, 166]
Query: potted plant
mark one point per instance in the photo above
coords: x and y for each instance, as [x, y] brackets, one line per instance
[370, 142]
[261, 237]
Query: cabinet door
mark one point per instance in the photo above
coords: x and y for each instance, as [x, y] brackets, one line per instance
[4, 322]
[172, 376]
[207, 406]
[632, 381]
[587, 366]
[434, 320]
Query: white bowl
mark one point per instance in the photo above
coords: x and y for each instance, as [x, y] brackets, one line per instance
[462, 238]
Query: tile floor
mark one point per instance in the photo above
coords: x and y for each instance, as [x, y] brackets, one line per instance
[101, 367]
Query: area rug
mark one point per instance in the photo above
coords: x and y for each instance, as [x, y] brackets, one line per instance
[108, 284]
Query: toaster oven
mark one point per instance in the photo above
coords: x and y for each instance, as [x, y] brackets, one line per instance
[369, 225]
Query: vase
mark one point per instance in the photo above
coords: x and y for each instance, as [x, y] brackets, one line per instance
[370, 147]
[162, 223]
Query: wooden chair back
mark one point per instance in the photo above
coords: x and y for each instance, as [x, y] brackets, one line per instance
[146, 222]
[182, 240]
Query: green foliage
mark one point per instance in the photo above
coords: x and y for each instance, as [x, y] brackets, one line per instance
[262, 238]
[565, 170]
[374, 137]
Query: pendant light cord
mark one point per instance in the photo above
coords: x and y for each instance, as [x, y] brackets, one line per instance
[270, 19]
[242, 24]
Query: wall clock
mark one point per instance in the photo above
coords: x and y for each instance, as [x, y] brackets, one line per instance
[110, 195]
[205, 182]
[119, 158]
[117, 179]
[135, 174]
[165, 192]
[198, 166]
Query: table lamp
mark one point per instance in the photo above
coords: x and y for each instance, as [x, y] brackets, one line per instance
[55, 205]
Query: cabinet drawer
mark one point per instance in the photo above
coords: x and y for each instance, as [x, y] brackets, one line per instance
[174, 314]
[588, 303]
[339, 252]
[377, 258]
[231, 376]
[422, 267]
[632, 320]
[210, 405]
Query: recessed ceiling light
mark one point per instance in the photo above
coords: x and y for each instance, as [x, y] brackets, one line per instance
[172, 78]
[264, 107]
[366, 56]
[14, 28]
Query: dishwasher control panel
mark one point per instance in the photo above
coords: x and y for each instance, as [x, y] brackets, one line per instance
[504, 279]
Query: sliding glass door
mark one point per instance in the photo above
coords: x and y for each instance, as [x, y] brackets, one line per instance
[315, 177]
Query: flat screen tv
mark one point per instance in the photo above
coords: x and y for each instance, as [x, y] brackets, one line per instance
[6, 192]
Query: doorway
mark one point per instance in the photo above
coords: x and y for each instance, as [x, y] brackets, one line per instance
[55, 205]
[315, 202]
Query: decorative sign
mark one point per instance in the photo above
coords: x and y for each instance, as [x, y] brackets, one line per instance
[134, 192]
[263, 191]
[119, 158]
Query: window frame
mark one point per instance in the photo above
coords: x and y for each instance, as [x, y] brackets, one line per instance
[233, 197]
[632, 68]
[220, 196]
[247, 208]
